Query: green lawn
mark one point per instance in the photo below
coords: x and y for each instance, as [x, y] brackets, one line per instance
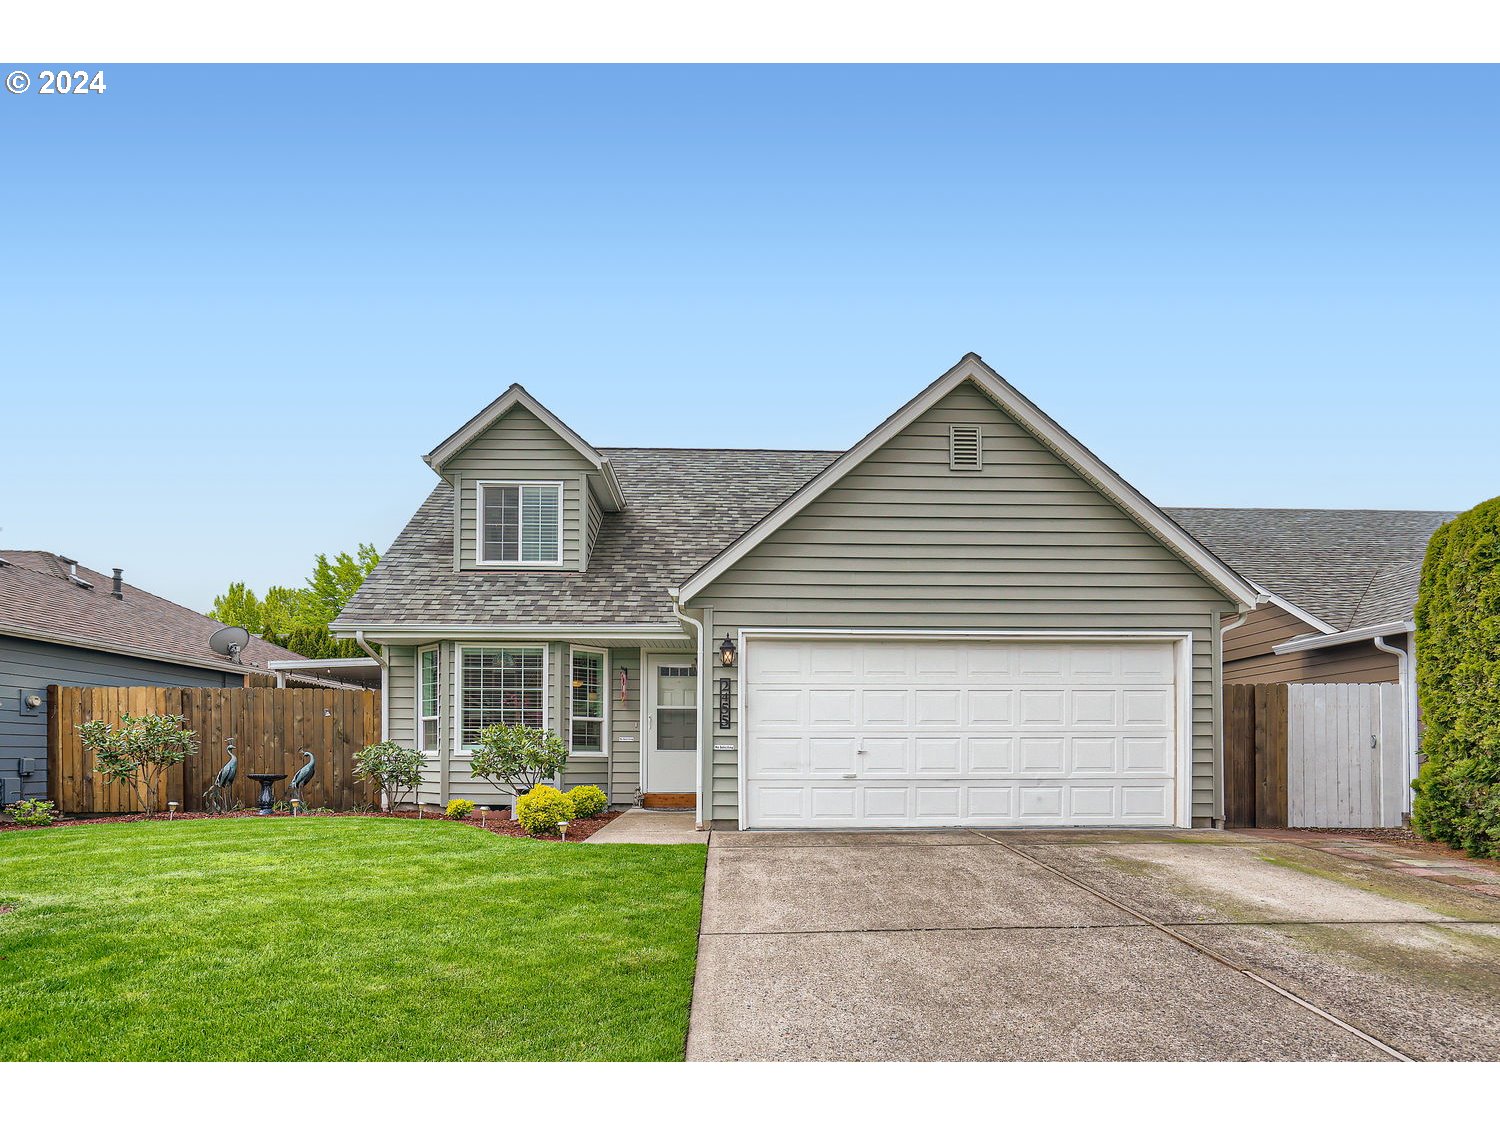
[342, 938]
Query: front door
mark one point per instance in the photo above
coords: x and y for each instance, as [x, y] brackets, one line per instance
[671, 724]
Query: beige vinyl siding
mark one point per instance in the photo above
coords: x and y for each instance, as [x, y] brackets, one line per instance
[519, 447]
[902, 542]
[1248, 658]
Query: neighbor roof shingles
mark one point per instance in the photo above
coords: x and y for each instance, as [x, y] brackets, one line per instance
[37, 598]
[1348, 567]
[684, 506]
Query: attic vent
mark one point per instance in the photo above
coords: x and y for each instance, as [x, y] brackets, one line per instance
[964, 448]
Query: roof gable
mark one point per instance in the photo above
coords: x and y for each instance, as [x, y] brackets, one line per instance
[971, 369]
[514, 396]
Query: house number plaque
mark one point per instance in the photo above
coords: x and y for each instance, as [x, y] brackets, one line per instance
[724, 703]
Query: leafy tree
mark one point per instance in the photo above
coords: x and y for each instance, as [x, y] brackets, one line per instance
[298, 617]
[395, 770]
[139, 751]
[1458, 684]
[517, 757]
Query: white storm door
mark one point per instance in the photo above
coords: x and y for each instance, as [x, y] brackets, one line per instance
[671, 724]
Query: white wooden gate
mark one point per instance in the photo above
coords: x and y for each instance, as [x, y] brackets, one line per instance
[1346, 756]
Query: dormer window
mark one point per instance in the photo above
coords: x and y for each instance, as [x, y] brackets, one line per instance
[520, 523]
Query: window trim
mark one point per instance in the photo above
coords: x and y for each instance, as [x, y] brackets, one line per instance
[479, 558]
[458, 685]
[603, 720]
[437, 702]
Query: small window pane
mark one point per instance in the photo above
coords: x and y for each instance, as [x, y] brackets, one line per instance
[429, 683]
[502, 523]
[588, 686]
[588, 737]
[677, 729]
[539, 523]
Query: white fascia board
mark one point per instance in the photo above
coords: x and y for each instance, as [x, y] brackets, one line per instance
[1347, 637]
[404, 633]
[973, 369]
[517, 395]
[333, 662]
[1295, 610]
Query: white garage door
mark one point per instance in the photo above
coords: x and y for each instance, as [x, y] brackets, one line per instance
[888, 733]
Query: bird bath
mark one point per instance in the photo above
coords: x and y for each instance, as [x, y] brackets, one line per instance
[267, 798]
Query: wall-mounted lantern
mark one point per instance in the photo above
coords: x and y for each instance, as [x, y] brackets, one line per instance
[727, 652]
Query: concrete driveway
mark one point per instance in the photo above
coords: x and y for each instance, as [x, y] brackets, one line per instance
[1089, 945]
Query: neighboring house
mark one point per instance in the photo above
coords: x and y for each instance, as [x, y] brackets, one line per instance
[1343, 582]
[61, 623]
[967, 618]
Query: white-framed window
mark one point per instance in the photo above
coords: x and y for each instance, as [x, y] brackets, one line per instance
[499, 685]
[588, 697]
[427, 700]
[520, 523]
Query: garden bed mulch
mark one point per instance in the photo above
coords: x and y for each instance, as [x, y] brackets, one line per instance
[496, 822]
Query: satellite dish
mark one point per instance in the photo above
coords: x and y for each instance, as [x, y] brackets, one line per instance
[229, 641]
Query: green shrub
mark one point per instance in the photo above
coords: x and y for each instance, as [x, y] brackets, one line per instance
[37, 814]
[588, 801]
[1458, 646]
[139, 751]
[517, 757]
[541, 810]
[459, 809]
[392, 768]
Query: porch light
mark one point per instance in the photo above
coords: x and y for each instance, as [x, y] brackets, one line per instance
[726, 652]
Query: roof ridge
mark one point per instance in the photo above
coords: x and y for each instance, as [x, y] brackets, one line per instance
[708, 449]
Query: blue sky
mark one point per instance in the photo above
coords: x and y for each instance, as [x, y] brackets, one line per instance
[237, 304]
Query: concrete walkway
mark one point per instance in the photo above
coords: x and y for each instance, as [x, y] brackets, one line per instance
[1084, 945]
[647, 826]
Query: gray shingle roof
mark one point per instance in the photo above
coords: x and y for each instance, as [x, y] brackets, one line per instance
[1350, 567]
[38, 599]
[684, 507]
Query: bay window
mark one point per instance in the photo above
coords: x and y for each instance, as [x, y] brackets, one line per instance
[586, 715]
[500, 685]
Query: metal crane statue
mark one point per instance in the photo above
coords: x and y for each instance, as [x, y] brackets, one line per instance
[217, 797]
[303, 776]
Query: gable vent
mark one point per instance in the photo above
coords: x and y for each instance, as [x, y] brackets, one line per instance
[964, 448]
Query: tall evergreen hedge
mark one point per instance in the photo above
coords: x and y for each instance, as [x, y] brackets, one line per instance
[1458, 684]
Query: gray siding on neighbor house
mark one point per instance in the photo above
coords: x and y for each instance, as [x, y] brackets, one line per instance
[903, 541]
[445, 774]
[28, 667]
[521, 447]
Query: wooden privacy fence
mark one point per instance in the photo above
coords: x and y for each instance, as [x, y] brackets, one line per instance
[1313, 756]
[1346, 750]
[269, 725]
[1255, 760]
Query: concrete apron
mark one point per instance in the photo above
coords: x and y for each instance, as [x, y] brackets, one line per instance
[957, 945]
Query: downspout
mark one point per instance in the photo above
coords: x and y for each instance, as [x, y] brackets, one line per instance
[705, 754]
[1408, 681]
[385, 693]
[1219, 713]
